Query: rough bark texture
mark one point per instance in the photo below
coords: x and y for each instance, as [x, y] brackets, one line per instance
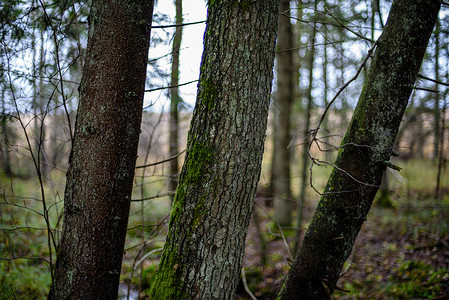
[364, 153]
[102, 161]
[281, 119]
[203, 252]
[175, 100]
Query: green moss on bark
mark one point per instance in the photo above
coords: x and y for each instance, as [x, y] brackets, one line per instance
[208, 94]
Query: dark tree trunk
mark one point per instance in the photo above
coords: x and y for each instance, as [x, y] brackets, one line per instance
[175, 100]
[282, 196]
[203, 252]
[364, 153]
[102, 161]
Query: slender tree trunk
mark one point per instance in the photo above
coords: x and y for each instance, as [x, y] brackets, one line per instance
[5, 157]
[214, 199]
[436, 123]
[441, 157]
[102, 161]
[175, 100]
[364, 153]
[305, 155]
[282, 196]
[39, 104]
[328, 154]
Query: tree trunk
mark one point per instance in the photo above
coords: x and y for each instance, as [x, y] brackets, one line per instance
[364, 153]
[305, 148]
[4, 145]
[175, 100]
[326, 139]
[436, 122]
[102, 161]
[203, 252]
[282, 196]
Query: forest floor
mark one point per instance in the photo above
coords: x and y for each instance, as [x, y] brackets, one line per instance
[402, 252]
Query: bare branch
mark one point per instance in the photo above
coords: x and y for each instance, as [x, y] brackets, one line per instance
[162, 161]
[177, 25]
[169, 87]
[425, 89]
[323, 115]
[433, 80]
[154, 197]
[347, 28]
[245, 285]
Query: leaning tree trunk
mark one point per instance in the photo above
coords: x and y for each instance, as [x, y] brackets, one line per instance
[203, 252]
[102, 161]
[280, 180]
[364, 153]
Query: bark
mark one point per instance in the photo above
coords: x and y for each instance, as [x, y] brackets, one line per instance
[281, 119]
[102, 161]
[364, 153]
[203, 252]
[175, 100]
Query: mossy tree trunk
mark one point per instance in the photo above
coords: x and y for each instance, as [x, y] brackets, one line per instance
[175, 100]
[104, 151]
[283, 100]
[365, 151]
[214, 199]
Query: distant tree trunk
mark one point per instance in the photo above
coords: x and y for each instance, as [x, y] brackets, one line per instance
[339, 61]
[5, 157]
[282, 196]
[102, 161]
[214, 199]
[175, 100]
[365, 151]
[39, 105]
[441, 158]
[436, 123]
[328, 154]
[308, 112]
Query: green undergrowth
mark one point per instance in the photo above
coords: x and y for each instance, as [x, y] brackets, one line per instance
[399, 254]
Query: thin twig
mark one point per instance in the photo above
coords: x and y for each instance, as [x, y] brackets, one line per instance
[359, 70]
[162, 161]
[50, 235]
[171, 86]
[58, 64]
[347, 28]
[433, 80]
[154, 197]
[245, 285]
[425, 89]
[177, 25]
[145, 257]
